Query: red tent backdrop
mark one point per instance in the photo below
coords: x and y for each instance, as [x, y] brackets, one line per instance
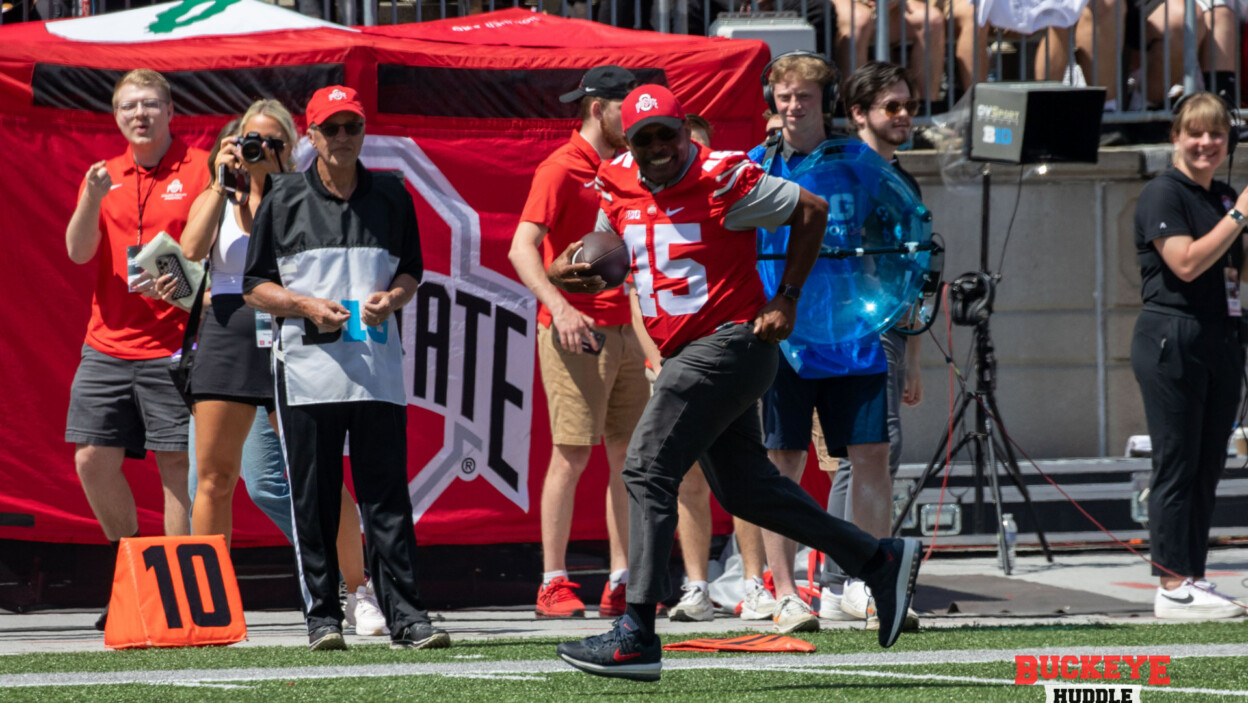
[465, 109]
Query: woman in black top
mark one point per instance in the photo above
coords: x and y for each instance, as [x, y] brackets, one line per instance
[1186, 352]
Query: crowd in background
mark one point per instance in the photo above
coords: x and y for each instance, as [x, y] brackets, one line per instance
[1132, 48]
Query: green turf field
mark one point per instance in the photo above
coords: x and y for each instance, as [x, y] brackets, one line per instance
[933, 665]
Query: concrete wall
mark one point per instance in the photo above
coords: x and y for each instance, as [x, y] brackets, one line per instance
[1065, 307]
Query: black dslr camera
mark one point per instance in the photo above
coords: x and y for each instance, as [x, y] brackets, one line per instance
[252, 146]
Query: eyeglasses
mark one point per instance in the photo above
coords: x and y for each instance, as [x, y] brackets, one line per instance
[663, 134]
[149, 105]
[892, 108]
[353, 129]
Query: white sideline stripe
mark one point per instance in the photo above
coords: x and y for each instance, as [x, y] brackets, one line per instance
[553, 665]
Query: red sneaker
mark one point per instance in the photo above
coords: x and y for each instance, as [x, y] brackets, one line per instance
[613, 604]
[558, 600]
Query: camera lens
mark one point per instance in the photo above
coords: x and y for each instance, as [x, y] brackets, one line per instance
[252, 147]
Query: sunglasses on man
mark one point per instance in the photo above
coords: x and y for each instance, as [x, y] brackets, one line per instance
[331, 130]
[893, 108]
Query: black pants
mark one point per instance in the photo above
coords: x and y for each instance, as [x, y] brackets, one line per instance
[312, 438]
[704, 408]
[1190, 377]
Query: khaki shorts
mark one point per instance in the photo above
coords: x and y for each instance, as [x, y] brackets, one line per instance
[593, 396]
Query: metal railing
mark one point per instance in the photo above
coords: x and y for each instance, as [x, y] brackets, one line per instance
[994, 54]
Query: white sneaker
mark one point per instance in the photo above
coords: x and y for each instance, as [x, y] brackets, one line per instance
[694, 606]
[830, 606]
[364, 614]
[910, 624]
[793, 615]
[856, 601]
[759, 604]
[1190, 603]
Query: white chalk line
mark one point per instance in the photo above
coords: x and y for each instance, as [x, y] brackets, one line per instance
[533, 670]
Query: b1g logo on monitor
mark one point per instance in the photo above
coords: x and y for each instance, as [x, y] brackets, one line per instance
[998, 135]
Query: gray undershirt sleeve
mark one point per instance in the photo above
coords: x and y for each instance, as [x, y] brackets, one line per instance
[768, 206]
[604, 223]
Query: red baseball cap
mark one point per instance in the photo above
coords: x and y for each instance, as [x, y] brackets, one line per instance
[327, 102]
[650, 104]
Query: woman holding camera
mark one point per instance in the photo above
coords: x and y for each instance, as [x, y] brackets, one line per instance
[1187, 350]
[232, 373]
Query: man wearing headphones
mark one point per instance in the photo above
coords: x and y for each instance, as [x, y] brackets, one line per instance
[849, 390]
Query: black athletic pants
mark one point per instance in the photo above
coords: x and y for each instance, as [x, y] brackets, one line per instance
[704, 408]
[313, 438]
[1190, 374]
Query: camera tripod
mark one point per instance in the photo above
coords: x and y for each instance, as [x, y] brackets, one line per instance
[990, 455]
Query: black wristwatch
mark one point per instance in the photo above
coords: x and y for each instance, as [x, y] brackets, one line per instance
[790, 292]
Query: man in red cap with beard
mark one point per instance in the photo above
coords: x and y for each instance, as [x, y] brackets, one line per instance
[334, 255]
[687, 216]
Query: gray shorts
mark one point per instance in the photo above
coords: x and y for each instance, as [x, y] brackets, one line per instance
[123, 403]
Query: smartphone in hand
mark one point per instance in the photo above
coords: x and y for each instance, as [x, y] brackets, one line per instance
[598, 337]
[169, 264]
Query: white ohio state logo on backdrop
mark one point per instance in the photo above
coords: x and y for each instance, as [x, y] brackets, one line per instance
[469, 341]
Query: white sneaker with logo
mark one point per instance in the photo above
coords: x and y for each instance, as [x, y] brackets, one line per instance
[759, 604]
[1188, 602]
[793, 615]
[364, 614]
[830, 606]
[694, 606]
[856, 601]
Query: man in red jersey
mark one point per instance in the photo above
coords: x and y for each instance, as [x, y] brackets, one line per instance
[688, 216]
[593, 367]
[122, 402]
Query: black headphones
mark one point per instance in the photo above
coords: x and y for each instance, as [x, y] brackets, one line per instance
[970, 298]
[1232, 136]
[830, 91]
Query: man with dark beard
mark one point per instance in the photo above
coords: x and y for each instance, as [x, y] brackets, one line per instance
[879, 98]
[593, 367]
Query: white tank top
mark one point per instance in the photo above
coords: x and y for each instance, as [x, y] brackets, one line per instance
[1028, 16]
[229, 255]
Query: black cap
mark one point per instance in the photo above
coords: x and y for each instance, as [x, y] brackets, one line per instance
[610, 82]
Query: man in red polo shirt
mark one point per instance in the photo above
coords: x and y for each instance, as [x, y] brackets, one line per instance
[123, 402]
[593, 367]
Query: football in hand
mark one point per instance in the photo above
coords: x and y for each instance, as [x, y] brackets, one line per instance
[606, 255]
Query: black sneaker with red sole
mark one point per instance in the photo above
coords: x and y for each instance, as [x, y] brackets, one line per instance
[892, 585]
[616, 654]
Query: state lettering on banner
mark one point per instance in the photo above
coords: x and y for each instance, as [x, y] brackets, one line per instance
[174, 592]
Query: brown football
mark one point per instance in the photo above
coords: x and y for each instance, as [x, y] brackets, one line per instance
[606, 255]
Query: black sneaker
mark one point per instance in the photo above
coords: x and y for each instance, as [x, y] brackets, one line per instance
[102, 621]
[421, 635]
[326, 638]
[618, 653]
[892, 585]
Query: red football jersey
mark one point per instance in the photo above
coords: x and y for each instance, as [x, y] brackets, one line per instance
[692, 273]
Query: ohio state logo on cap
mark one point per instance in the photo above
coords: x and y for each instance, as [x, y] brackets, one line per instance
[646, 103]
[337, 95]
[650, 104]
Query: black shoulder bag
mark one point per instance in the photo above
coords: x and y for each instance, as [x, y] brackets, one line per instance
[180, 370]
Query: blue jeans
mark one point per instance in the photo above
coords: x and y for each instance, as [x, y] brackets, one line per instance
[264, 472]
